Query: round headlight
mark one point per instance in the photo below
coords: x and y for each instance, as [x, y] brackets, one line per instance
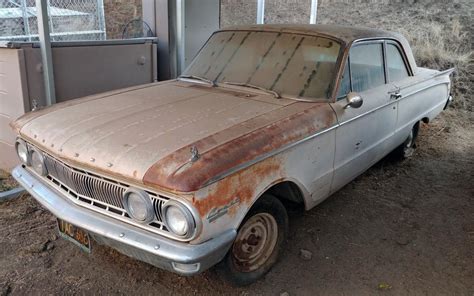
[37, 162]
[22, 151]
[178, 219]
[138, 205]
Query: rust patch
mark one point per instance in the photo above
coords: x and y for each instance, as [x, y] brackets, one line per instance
[241, 185]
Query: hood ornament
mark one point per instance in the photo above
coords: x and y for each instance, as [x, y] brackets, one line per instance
[194, 157]
[194, 154]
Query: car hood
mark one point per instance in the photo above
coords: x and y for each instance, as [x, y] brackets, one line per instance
[145, 134]
[127, 132]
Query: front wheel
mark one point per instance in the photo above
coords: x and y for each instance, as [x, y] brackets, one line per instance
[259, 241]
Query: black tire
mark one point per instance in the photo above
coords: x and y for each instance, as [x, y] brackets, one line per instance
[234, 267]
[407, 148]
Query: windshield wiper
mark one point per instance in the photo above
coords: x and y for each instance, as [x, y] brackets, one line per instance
[210, 82]
[274, 93]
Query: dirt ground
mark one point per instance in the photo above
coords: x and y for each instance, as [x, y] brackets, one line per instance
[402, 228]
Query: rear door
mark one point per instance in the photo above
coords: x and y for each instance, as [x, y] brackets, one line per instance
[364, 134]
[410, 108]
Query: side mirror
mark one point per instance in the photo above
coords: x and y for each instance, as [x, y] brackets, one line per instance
[353, 100]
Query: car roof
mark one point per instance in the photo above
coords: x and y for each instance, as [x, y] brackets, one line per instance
[347, 34]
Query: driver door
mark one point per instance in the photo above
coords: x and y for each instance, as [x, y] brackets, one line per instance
[363, 135]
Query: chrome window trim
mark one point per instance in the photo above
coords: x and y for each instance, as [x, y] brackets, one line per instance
[402, 54]
[388, 40]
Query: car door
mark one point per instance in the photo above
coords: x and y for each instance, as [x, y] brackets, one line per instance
[410, 107]
[364, 134]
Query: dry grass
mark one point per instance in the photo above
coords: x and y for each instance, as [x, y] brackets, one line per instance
[443, 46]
[439, 45]
[439, 32]
[118, 13]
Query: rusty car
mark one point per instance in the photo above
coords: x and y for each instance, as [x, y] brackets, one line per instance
[198, 171]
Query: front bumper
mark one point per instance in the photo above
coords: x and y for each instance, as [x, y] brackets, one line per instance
[178, 257]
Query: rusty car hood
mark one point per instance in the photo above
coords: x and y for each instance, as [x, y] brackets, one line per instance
[127, 132]
[144, 134]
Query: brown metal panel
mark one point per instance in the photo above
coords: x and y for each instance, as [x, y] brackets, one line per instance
[85, 69]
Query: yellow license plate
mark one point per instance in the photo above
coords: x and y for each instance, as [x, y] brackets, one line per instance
[75, 235]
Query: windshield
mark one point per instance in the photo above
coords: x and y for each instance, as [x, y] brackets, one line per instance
[291, 65]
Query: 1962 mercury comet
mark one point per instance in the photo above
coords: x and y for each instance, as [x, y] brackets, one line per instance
[187, 173]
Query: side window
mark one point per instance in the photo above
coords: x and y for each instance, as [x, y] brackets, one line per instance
[367, 67]
[395, 64]
[345, 85]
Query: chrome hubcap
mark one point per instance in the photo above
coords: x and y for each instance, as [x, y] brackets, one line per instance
[255, 242]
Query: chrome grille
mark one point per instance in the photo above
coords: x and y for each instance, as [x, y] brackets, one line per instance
[100, 193]
[86, 185]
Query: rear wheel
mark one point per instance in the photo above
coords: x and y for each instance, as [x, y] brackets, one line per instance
[259, 241]
[407, 148]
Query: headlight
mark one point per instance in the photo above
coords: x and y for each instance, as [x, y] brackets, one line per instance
[138, 205]
[22, 151]
[37, 162]
[178, 219]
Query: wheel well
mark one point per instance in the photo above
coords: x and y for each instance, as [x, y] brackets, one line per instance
[288, 193]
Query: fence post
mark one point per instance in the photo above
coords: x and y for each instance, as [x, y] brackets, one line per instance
[50, 18]
[180, 40]
[26, 23]
[101, 18]
[46, 56]
[314, 11]
[260, 11]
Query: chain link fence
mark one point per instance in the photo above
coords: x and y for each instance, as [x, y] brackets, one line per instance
[69, 20]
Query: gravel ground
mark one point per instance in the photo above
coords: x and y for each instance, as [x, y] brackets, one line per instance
[6, 181]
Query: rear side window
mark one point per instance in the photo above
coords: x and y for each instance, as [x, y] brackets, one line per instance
[367, 66]
[396, 66]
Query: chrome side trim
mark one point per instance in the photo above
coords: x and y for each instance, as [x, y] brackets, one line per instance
[131, 241]
[422, 89]
[435, 75]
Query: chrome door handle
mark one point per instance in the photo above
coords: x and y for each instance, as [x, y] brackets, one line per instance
[395, 96]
